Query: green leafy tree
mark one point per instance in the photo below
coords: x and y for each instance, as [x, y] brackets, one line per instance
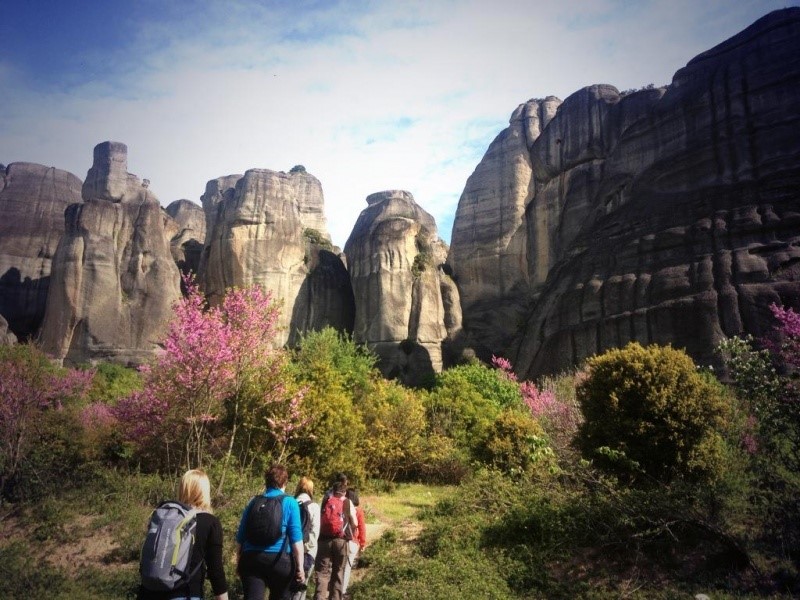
[651, 407]
[337, 374]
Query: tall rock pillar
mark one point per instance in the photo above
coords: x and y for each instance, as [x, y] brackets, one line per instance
[114, 280]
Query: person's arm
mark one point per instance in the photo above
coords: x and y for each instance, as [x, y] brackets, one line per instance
[313, 536]
[294, 532]
[297, 555]
[213, 558]
[362, 528]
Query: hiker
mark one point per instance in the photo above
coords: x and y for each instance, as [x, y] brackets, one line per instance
[337, 523]
[356, 545]
[339, 477]
[304, 494]
[270, 541]
[206, 549]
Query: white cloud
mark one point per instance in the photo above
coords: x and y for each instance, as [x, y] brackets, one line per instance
[397, 95]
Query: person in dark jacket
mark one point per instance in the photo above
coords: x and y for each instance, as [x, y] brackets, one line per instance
[195, 491]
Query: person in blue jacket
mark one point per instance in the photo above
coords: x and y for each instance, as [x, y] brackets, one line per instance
[278, 566]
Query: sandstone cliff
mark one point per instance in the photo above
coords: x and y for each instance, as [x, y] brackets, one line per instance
[32, 203]
[406, 307]
[667, 215]
[268, 228]
[187, 234]
[114, 280]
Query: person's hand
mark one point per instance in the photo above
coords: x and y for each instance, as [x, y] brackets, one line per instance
[300, 575]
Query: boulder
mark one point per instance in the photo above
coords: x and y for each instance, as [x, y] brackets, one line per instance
[405, 303]
[268, 228]
[667, 215]
[114, 281]
[32, 203]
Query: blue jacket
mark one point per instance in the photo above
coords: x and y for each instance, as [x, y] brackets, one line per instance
[290, 525]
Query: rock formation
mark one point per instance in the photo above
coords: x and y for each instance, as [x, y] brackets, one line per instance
[7, 337]
[406, 307]
[114, 280]
[668, 215]
[489, 245]
[32, 203]
[268, 228]
[188, 236]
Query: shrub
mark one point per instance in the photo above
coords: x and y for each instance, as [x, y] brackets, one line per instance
[33, 393]
[394, 444]
[315, 237]
[652, 407]
[514, 443]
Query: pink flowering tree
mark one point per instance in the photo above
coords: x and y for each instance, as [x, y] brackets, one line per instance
[218, 367]
[29, 387]
[559, 416]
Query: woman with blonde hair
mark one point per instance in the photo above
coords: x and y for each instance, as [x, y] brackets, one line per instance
[194, 490]
[304, 494]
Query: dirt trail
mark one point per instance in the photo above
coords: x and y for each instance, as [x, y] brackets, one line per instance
[408, 530]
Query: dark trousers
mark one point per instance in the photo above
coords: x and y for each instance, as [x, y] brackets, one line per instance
[260, 571]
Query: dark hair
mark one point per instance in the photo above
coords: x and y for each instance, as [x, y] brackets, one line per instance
[352, 493]
[339, 477]
[276, 476]
[339, 487]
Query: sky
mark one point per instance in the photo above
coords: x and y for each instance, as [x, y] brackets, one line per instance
[367, 95]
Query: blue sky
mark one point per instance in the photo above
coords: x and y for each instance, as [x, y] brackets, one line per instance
[368, 95]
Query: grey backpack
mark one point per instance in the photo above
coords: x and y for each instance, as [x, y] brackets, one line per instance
[168, 547]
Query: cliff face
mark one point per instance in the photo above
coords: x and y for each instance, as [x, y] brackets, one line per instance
[489, 245]
[114, 280]
[268, 228]
[187, 234]
[406, 307]
[32, 203]
[667, 215]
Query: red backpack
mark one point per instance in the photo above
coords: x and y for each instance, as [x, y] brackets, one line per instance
[334, 520]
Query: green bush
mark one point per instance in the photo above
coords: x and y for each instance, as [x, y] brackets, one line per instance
[514, 443]
[650, 409]
[112, 382]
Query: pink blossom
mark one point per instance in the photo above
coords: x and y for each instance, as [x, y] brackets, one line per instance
[504, 365]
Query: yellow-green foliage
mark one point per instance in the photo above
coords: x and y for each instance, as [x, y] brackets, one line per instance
[651, 406]
[466, 400]
[514, 443]
[395, 441]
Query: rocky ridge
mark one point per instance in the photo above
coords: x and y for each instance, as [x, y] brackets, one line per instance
[668, 215]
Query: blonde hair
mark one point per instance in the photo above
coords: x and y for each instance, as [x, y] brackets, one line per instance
[304, 486]
[195, 489]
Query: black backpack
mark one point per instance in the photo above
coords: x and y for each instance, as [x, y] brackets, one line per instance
[305, 520]
[264, 525]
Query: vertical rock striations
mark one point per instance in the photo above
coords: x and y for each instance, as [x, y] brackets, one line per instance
[189, 235]
[32, 203]
[113, 279]
[268, 228]
[406, 307]
[489, 245]
[667, 215]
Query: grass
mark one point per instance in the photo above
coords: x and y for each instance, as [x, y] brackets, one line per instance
[404, 502]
